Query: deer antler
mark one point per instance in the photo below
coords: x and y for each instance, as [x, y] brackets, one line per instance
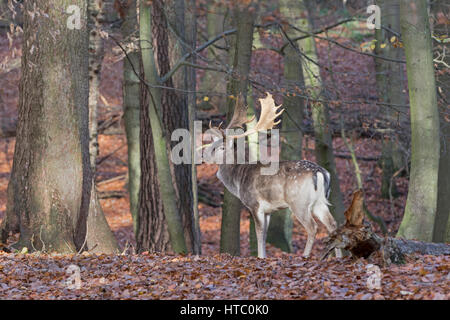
[267, 119]
[240, 114]
[218, 127]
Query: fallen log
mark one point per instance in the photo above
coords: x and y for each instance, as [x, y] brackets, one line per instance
[112, 194]
[358, 238]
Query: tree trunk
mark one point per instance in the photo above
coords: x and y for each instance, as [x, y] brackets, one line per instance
[390, 85]
[168, 193]
[320, 113]
[280, 228]
[96, 51]
[253, 155]
[212, 81]
[231, 209]
[6, 14]
[442, 222]
[191, 86]
[131, 105]
[99, 238]
[420, 211]
[152, 233]
[51, 179]
[175, 111]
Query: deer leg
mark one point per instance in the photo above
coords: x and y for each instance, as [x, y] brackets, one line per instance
[309, 224]
[266, 226]
[261, 231]
[321, 211]
[311, 229]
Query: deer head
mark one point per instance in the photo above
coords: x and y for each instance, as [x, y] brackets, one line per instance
[223, 139]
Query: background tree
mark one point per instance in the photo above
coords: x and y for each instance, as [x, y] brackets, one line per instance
[440, 10]
[176, 25]
[131, 104]
[50, 207]
[173, 111]
[319, 109]
[280, 228]
[191, 87]
[243, 19]
[390, 87]
[166, 187]
[420, 211]
[217, 21]
[99, 236]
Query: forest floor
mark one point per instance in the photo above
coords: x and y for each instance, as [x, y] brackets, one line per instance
[213, 275]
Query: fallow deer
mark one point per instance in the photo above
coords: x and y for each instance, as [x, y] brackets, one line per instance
[302, 186]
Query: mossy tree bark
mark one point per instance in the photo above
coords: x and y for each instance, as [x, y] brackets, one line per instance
[131, 104]
[420, 211]
[169, 47]
[244, 17]
[152, 233]
[320, 112]
[50, 188]
[390, 87]
[166, 186]
[280, 228]
[191, 86]
[213, 82]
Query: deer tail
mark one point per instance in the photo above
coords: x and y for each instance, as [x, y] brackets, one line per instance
[322, 176]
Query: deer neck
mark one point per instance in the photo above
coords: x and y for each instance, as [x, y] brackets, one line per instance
[225, 174]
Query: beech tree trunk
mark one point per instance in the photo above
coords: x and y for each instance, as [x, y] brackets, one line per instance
[191, 86]
[320, 112]
[212, 82]
[390, 86]
[51, 181]
[420, 211]
[280, 228]
[131, 106]
[231, 209]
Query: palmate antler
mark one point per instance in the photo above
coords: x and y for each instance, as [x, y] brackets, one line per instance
[269, 112]
[240, 114]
